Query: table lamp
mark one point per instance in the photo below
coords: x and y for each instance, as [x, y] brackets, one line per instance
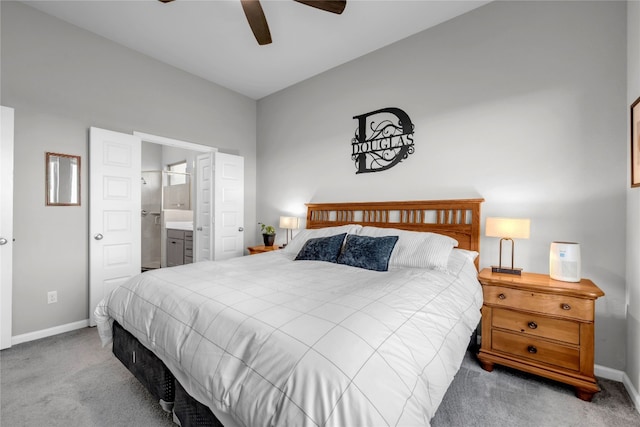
[507, 229]
[289, 223]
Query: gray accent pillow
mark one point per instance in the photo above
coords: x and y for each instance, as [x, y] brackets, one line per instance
[321, 249]
[372, 253]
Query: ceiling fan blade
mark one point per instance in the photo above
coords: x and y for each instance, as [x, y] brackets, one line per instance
[333, 6]
[257, 21]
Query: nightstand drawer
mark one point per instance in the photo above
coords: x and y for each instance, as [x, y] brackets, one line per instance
[539, 326]
[549, 304]
[521, 346]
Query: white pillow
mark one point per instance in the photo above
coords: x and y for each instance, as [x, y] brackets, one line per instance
[415, 248]
[301, 238]
[470, 255]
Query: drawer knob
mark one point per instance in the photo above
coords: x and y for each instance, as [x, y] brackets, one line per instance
[532, 325]
[531, 349]
[566, 306]
[502, 296]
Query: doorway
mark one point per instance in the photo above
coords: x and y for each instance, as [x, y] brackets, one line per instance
[167, 200]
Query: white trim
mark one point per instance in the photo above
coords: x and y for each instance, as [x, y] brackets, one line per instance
[633, 393]
[36, 335]
[174, 142]
[608, 373]
[620, 376]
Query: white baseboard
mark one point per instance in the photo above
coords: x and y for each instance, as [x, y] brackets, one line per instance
[620, 376]
[31, 336]
[608, 373]
[635, 396]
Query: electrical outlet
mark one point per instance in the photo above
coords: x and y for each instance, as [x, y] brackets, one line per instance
[52, 297]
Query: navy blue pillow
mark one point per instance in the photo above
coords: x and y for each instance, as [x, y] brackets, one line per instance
[372, 253]
[322, 248]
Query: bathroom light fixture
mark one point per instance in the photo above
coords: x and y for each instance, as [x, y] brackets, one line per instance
[507, 229]
[289, 223]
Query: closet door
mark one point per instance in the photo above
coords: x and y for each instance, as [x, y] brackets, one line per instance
[219, 215]
[6, 225]
[203, 215]
[229, 205]
[114, 212]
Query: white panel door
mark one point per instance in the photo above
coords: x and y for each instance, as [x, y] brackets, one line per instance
[6, 225]
[203, 225]
[114, 212]
[228, 205]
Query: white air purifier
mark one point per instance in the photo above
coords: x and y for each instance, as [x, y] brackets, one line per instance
[564, 261]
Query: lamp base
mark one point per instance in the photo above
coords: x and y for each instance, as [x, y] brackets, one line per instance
[504, 270]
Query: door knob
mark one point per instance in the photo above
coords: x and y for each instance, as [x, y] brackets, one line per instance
[3, 241]
[98, 236]
[241, 229]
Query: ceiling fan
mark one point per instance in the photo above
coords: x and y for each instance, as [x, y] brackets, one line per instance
[258, 22]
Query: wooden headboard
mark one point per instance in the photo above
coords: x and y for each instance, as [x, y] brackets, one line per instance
[458, 218]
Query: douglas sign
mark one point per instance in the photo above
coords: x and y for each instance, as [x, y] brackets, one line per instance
[383, 139]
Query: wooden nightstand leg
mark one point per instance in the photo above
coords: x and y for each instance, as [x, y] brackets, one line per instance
[584, 394]
[487, 366]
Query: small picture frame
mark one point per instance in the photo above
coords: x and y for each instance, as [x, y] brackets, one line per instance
[635, 143]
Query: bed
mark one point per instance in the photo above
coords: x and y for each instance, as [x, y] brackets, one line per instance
[363, 319]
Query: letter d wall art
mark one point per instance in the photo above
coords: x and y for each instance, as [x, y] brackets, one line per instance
[383, 139]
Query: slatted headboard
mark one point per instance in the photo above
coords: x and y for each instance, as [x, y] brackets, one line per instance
[458, 218]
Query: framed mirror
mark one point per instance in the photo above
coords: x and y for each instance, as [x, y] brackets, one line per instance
[63, 180]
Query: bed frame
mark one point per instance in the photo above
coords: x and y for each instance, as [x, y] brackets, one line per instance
[457, 218]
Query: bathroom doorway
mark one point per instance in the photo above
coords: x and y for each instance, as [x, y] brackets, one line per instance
[164, 193]
[166, 198]
[206, 212]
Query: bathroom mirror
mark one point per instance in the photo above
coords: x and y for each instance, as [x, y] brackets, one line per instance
[63, 180]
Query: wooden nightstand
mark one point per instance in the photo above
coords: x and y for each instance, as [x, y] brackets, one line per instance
[262, 248]
[539, 325]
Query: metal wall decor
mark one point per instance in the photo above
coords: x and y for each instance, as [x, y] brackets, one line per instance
[383, 139]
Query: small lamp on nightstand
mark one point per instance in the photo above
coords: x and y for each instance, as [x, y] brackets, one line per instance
[507, 229]
[289, 223]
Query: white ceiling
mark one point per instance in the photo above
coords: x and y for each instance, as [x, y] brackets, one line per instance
[211, 38]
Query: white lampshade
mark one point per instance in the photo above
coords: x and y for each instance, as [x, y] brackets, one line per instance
[289, 222]
[512, 228]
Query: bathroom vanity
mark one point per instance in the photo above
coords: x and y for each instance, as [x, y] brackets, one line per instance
[179, 247]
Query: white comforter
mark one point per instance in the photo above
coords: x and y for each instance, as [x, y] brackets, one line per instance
[276, 342]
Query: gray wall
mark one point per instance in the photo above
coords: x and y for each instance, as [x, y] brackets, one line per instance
[522, 103]
[633, 207]
[61, 80]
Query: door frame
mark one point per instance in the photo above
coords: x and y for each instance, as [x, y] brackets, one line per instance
[162, 140]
